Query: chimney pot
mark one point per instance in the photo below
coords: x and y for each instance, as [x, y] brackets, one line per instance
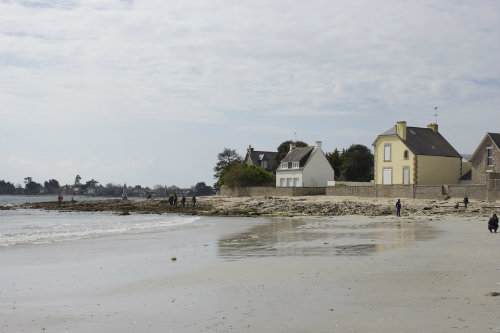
[433, 127]
[401, 129]
[318, 145]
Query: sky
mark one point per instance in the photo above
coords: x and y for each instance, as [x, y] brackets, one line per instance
[149, 92]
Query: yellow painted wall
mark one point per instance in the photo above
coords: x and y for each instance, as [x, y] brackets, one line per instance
[437, 170]
[397, 162]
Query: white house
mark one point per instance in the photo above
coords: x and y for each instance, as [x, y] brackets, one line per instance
[304, 167]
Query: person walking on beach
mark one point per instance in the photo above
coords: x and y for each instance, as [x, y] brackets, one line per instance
[175, 200]
[193, 200]
[493, 223]
[171, 200]
[60, 198]
[398, 208]
[183, 201]
[466, 201]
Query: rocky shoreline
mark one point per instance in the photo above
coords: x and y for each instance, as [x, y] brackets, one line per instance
[276, 206]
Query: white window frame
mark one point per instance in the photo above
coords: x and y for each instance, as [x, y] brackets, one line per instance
[489, 156]
[295, 165]
[386, 181]
[263, 164]
[387, 153]
[406, 181]
[284, 165]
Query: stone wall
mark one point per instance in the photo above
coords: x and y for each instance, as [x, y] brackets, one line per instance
[356, 191]
[477, 192]
[270, 191]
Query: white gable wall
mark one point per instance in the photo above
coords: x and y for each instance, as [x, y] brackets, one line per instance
[318, 171]
[285, 177]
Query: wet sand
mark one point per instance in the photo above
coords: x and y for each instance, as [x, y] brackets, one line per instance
[301, 274]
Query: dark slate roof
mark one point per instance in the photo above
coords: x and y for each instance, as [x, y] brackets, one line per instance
[258, 156]
[424, 141]
[300, 154]
[495, 137]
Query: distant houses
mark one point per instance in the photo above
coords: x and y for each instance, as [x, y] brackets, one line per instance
[304, 167]
[262, 159]
[486, 158]
[415, 156]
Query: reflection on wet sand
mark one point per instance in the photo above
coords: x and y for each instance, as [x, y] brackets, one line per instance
[311, 236]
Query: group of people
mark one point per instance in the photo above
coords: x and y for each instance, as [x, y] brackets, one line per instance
[492, 223]
[172, 200]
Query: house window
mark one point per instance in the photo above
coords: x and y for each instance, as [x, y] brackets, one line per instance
[489, 154]
[387, 153]
[284, 165]
[405, 154]
[406, 176]
[295, 165]
[263, 164]
[387, 176]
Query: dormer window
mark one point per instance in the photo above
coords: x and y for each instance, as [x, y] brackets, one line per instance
[284, 165]
[263, 164]
[295, 165]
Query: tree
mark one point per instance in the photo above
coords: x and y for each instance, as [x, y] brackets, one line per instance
[336, 160]
[358, 164]
[90, 184]
[283, 150]
[201, 189]
[7, 187]
[31, 187]
[224, 159]
[52, 186]
[241, 174]
[77, 180]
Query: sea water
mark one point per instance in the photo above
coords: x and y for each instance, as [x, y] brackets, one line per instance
[34, 226]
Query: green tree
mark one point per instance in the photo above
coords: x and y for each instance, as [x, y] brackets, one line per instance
[90, 184]
[358, 164]
[241, 174]
[31, 187]
[224, 159]
[201, 189]
[7, 187]
[77, 180]
[283, 150]
[336, 160]
[51, 186]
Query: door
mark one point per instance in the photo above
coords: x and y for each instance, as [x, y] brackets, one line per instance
[296, 182]
[406, 176]
[282, 182]
[387, 177]
[289, 182]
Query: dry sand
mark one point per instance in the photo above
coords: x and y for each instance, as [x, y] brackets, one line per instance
[301, 274]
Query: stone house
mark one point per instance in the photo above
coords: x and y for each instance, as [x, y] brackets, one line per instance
[263, 159]
[486, 158]
[415, 156]
[304, 167]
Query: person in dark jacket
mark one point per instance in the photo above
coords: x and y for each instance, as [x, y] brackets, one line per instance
[466, 201]
[193, 200]
[183, 201]
[398, 208]
[493, 223]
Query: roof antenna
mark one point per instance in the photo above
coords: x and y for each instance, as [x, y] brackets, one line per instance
[295, 133]
[436, 115]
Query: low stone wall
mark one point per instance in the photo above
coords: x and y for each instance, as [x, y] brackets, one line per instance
[395, 191]
[477, 192]
[270, 191]
[356, 191]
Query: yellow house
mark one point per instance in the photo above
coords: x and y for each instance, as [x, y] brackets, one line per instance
[415, 156]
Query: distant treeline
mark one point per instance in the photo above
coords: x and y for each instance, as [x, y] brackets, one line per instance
[93, 188]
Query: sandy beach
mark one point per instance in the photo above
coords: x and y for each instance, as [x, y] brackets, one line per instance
[286, 274]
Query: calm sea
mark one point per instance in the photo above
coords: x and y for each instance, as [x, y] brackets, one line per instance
[33, 226]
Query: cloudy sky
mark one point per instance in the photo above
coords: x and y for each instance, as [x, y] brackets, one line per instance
[148, 92]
